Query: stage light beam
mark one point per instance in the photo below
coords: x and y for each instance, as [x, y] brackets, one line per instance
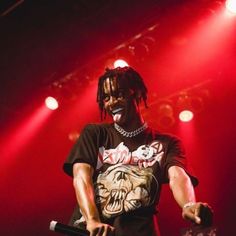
[19, 138]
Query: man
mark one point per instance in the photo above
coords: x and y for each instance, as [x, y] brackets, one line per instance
[118, 168]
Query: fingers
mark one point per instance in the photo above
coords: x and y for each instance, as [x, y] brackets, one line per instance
[108, 231]
[111, 231]
[102, 230]
[191, 213]
[197, 218]
[199, 213]
[99, 231]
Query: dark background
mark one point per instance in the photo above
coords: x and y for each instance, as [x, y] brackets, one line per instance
[60, 47]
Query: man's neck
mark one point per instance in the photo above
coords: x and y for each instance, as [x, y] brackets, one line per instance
[136, 123]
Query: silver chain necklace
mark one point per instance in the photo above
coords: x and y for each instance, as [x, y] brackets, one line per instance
[131, 133]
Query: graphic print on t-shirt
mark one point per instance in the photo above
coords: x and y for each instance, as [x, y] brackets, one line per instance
[126, 184]
[145, 155]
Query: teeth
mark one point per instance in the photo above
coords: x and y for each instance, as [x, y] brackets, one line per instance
[117, 114]
[115, 202]
[117, 110]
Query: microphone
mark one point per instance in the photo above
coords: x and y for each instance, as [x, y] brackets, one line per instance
[66, 229]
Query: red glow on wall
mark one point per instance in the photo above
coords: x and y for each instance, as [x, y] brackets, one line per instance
[203, 45]
[186, 131]
[84, 109]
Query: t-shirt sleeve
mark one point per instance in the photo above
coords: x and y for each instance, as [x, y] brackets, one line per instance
[85, 149]
[176, 156]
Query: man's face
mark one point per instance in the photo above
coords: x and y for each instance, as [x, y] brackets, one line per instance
[119, 102]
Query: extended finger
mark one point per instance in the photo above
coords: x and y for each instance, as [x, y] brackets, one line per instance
[188, 214]
[101, 231]
[197, 218]
[108, 231]
[97, 231]
[94, 232]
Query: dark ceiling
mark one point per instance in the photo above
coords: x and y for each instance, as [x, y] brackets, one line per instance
[43, 41]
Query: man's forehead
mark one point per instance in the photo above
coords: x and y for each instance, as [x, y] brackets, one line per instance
[111, 83]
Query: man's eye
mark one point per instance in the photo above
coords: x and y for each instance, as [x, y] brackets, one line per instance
[121, 95]
[106, 98]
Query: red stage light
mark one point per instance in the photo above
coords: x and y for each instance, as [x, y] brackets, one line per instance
[186, 115]
[120, 63]
[51, 103]
[231, 6]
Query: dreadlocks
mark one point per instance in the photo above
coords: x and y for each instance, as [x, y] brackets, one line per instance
[126, 76]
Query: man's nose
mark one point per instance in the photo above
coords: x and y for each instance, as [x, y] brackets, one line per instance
[112, 100]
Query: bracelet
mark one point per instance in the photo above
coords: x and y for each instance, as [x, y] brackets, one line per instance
[188, 204]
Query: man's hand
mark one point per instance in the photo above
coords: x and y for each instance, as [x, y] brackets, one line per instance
[83, 184]
[99, 229]
[199, 213]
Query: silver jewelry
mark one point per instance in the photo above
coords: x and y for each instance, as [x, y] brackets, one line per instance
[131, 133]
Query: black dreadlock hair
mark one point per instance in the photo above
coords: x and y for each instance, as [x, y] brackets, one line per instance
[126, 76]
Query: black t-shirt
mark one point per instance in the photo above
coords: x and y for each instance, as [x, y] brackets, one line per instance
[128, 174]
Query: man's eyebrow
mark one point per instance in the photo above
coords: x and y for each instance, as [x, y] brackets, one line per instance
[120, 89]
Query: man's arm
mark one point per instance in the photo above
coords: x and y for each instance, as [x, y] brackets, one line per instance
[84, 190]
[183, 192]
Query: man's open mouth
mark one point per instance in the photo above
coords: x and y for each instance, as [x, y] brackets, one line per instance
[117, 110]
[117, 113]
